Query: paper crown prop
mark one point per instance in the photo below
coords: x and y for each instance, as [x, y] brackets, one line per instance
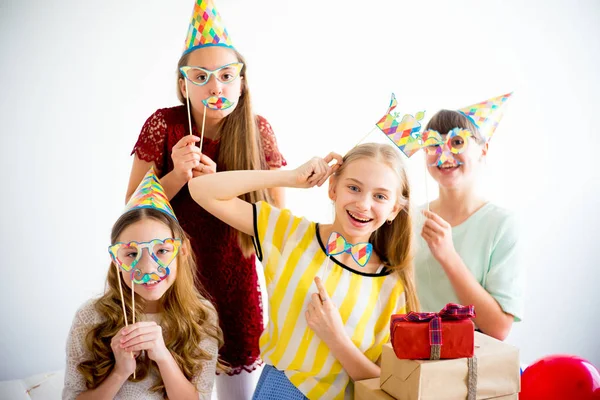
[487, 114]
[404, 133]
[150, 194]
[206, 28]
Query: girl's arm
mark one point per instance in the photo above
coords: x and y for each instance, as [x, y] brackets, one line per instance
[176, 384]
[354, 362]
[277, 194]
[75, 387]
[187, 162]
[491, 318]
[107, 389]
[218, 193]
[324, 319]
[147, 335]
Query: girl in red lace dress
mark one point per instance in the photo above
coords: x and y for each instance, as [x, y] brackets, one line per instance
[234, 139]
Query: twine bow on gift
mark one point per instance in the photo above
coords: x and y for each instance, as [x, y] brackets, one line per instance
[452, 312]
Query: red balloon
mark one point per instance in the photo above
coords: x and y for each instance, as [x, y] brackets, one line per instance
[560, 377]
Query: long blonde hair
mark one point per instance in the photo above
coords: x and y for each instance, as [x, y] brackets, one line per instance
[241, 147]
[187, 317]
[393, 242]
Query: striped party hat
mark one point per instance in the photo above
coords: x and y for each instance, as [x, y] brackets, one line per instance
[206, 28]
[487, 114]
[150, 194]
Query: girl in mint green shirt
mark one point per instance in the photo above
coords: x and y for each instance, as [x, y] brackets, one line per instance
[468, 250]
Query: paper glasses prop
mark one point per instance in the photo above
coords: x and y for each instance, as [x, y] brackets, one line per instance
[485, 115]
[128, 255]
[200, 76]
[226, 74]
[406, 135]
[337, 244]
[456, 142]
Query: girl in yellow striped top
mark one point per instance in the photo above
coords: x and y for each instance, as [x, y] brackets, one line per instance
[323, 334]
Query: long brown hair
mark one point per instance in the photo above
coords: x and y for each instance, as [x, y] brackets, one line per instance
[393, 242]
[241, 147]
[445, 120]
[187, 317]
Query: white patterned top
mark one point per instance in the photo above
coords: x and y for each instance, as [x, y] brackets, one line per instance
[85, 318]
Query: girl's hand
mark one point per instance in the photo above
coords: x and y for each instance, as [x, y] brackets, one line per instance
[438, 235]
[207, 166]
[146, 335]
[316, 170]
[186, 156]
[323, 317]
[124, 360]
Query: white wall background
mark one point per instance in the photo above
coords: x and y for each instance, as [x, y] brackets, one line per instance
[78, 80]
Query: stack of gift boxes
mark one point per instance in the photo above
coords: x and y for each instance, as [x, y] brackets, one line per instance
[437, 356]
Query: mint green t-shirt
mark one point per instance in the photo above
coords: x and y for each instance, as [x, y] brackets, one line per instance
[487, 242]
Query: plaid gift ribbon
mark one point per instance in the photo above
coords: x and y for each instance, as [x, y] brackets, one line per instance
[450, 312]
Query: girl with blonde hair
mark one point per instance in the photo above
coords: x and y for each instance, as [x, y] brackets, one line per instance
[329, 311]
[171, 351]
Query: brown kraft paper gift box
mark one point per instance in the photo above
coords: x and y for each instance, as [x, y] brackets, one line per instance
[497, 373]
[369, 390]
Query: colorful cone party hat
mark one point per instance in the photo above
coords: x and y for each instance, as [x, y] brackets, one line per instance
[206, 28]
[487, 114]
[150, 194]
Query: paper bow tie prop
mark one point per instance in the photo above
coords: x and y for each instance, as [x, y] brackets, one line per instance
[337, 244]
[206, 28]
[450, 312]
[403, 133]
[487, 114]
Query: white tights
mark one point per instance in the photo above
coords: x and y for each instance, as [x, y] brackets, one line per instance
[236, 387]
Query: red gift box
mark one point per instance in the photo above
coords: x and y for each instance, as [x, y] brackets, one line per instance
[431, 336]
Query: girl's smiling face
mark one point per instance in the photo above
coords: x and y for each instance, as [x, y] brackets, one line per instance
[365, 197]
[457, 170]
[458, 151]
[146, 230]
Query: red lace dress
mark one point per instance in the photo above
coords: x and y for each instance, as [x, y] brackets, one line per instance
[228, 277]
